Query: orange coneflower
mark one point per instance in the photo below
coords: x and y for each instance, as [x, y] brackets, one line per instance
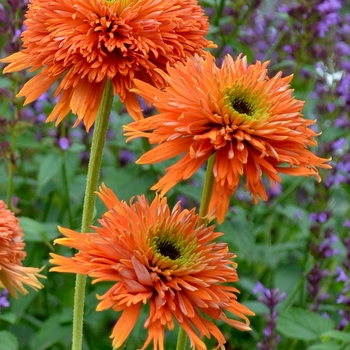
[83, 43]
[252, 124]
[12, 274]
[162, 257]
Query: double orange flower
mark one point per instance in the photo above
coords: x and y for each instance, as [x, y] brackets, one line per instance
[13, 275]
[160, 257]
[252, 124]
[82, 43]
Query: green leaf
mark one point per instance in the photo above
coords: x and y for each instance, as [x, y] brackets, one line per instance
[239, 233]
[126, 183]
[34, 231]
[302, 324]
[8, 341]
[335, 334]
[49, 168]
[324, 347]
[51, 332]
[9, 317]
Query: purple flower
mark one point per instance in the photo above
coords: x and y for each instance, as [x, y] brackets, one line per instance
[341, 48]
[314, 279]
[325, 248]
[125, 157]
[313, 217]
[271, 298]
[346, 223]
[63, 143]
[340, 144]
[3, 299]
[326, 7]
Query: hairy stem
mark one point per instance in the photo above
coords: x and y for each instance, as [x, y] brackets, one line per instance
[98, 140]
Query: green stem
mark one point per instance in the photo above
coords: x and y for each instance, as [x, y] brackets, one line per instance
[207, 191]
[66, 190]
[203, 212]
[14, 131]
[98, 140]
[181, 340]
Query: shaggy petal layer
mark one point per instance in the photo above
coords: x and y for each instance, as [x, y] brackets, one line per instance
[82, 43]
[250, 122]
[160, 257]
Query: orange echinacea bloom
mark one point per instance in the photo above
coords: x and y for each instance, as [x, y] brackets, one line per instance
[158, 256]
[252, 124]
[82, 43]
[12, 274]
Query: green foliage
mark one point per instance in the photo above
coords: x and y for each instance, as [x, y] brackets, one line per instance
[302, 324]
[8, 341]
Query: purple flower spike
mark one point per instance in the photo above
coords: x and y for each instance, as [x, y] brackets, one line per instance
[269, 297]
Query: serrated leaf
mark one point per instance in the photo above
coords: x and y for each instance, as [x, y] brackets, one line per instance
[302, 324]
[8, 341]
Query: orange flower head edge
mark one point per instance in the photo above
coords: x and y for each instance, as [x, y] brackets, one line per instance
[81, 43]
[13, 275]
[252, 124]
[161, 257]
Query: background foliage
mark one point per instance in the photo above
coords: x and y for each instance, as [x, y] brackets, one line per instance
[297, 242]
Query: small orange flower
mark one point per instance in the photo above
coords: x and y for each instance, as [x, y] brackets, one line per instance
[158, 256]
[251, 123]
[12, 274]
[82, 43]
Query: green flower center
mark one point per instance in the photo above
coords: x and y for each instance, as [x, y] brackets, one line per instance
[171, 249]
[244, 103]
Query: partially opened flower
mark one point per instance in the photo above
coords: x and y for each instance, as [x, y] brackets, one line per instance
[251, 123]
[82, 43]
[160, 257]
[13, 275]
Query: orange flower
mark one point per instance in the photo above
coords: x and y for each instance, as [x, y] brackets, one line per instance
[158, 256]
[83, 43]
[12, 274]
[251, 123]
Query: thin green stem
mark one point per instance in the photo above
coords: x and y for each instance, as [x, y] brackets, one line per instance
[203, 212]
[207, 191]
[66, 190]
[98, 141]
[14, 131]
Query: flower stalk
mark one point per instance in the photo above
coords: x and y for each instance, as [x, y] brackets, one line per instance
[95, 160]
[203, 212]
